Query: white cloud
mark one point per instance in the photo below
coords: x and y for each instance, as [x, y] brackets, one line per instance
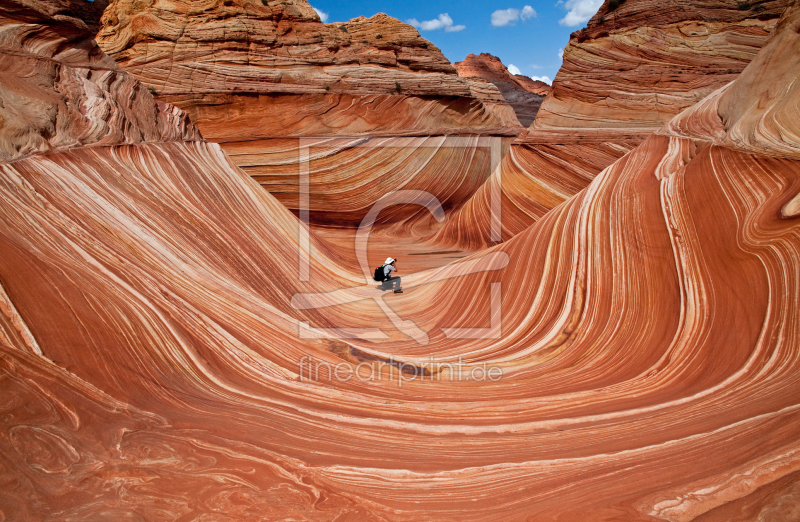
[513, 69]
[579, 11]
[561, 53]
[527, 12]
[504, 17]
[534, 66]
[322, 14]
[544, 79]
[443, 22]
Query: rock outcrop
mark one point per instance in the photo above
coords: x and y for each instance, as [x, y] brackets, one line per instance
[633, 354]
[640, 64]
[252, 73]
[59, 90]
[523, 94]
[347, 176]
[274, 69]
[628, 73]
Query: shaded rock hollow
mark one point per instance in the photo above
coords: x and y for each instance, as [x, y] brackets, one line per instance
[520, 92]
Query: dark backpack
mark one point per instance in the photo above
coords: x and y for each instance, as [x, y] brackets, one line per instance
[379, 275]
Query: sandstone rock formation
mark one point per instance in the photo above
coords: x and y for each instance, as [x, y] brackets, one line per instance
[248, 72]
[628, 73]
[57, 88]
[637, 66]
[158, 347]
[348, 175]
[523, 94]
[273, 69]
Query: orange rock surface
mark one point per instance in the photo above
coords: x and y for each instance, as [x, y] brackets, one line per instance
[271, 67]
[347, 176]
[637, 66]
[58, 89]
[628, 73]
[248, 72]
[158, 340]
[520, 92]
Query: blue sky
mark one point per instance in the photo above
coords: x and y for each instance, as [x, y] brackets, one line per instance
[528, 34]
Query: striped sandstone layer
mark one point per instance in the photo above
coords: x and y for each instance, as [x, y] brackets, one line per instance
[153, 324]
[628, 73]
[347, 176]
[59, 90]
[272, 68]
[252, 74]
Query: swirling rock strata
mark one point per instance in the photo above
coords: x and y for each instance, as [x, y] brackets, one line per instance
[639, 64]
[541, 170]
[59, 90]
[230, 64]
[627, 74]
[151, 320]
[247, 72]
[347, 176]
[520, 92]
[648, 323]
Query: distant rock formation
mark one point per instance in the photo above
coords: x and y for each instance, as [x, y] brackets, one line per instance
[59, 90]
[252, 73]
[272, 68]
[523, 94]
[636, 65]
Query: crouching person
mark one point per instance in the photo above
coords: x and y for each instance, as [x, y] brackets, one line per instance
[390, 281]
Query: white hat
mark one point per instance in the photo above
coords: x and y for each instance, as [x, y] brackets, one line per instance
[388, 261]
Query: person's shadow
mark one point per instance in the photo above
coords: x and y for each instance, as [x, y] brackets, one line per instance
[393, 283]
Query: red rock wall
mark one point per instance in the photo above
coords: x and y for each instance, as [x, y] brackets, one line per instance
[347, 176]
[628, 73]
[637, 66]
[246, 71]
[245, 56]
[58, 89]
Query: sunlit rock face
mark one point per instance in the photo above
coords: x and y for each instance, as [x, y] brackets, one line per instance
[348, 175]
[252, 74]
[628, 73]
[273, 68]
[646, 329]
[58, 89]
[639, 64]
[520, 92]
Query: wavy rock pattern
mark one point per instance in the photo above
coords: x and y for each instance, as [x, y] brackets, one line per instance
[540, 171]
[347, 176]
[520, 92]
[628, 73]
[637, 66]
[248, 71]
[59, 90]
[273, 67]
[151, 311]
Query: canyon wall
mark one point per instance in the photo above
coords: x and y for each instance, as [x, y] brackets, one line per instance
[628, 73]
[59, 90]
[266, 69]
[639, 64]
[154, 330]
[261, 77]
